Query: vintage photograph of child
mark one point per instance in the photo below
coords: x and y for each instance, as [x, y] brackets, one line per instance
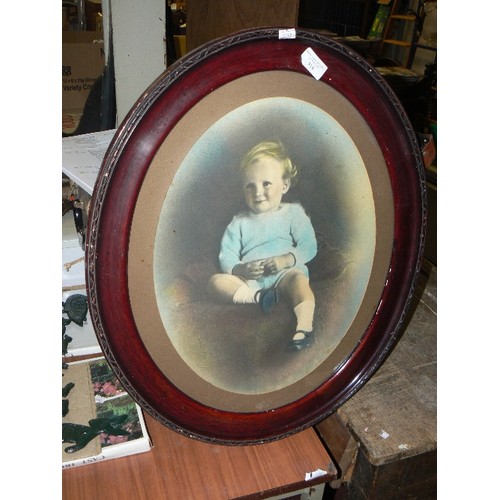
[264, 246]
[265, 249]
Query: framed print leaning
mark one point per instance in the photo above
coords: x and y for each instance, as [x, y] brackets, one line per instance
[255, 235]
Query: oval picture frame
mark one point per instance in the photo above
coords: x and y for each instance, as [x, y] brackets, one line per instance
[168, 187]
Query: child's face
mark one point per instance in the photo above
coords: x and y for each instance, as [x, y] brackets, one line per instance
[263, 185]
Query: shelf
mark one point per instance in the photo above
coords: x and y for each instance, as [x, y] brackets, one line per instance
[395, 29]
[425, 46]
[401, 43]
[404, 17]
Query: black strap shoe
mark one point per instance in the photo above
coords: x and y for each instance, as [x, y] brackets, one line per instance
[298, 345]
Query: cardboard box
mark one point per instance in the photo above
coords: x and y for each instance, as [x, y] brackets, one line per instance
[83, 62]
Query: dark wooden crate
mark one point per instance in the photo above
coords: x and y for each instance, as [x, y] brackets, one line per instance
[411, 478]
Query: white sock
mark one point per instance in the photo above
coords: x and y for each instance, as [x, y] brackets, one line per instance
[244, 295]
[305, 315]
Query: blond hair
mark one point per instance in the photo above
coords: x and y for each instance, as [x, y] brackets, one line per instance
[274, 150]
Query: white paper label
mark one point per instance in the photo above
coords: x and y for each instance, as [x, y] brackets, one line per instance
[313, 63]
[286, 34]
[314, 474]
[384, 435]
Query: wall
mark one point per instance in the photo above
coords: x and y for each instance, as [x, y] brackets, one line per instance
[138, 34]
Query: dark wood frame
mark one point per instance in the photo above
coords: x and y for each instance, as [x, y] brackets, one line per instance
[116, 191]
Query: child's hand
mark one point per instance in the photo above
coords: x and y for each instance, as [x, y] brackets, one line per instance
[275, 264]
[250, 270]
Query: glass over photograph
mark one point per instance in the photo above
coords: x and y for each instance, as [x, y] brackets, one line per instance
[264, 245]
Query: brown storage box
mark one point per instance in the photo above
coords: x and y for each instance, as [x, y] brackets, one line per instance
[82, 63]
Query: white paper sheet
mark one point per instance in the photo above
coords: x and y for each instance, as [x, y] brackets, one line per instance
[82, 157]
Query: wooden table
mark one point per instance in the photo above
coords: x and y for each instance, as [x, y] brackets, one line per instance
[182, 468]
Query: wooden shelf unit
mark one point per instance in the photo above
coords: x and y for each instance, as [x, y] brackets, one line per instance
[395, 26]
